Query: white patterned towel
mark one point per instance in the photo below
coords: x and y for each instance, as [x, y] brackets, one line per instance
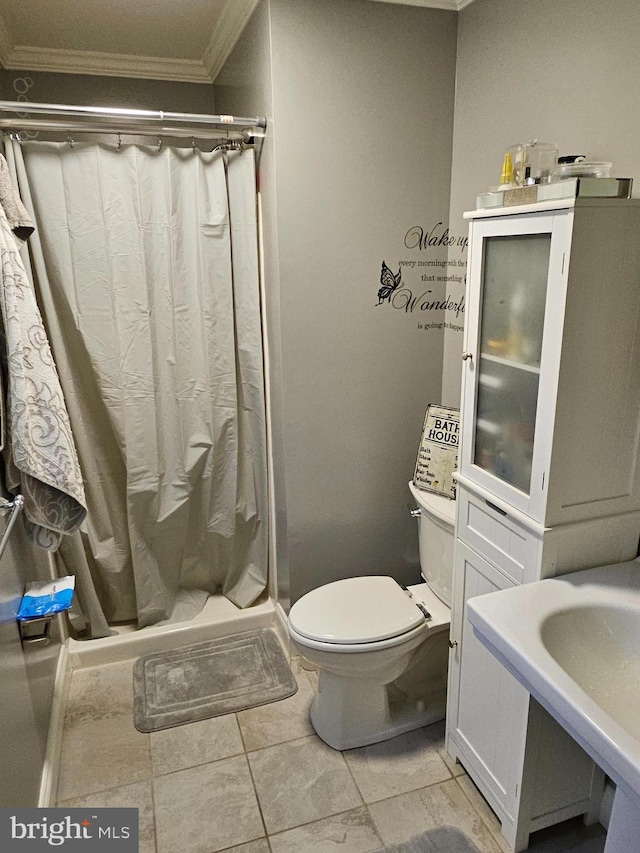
[17, 214]
[41, 459]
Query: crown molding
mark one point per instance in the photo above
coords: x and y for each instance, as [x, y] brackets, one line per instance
[233, 19]
[106, 64]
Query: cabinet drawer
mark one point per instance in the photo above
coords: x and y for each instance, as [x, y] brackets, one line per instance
[498, 536]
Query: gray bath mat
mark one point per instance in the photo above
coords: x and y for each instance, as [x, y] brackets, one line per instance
[209, 679]
[443, 839]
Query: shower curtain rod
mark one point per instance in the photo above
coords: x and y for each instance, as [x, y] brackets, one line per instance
[248, 136]
[117, 116]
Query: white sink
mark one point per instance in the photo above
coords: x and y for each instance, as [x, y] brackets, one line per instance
[574, 643]
[597, 645]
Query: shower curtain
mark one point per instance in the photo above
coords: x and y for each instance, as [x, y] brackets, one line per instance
[145, 262]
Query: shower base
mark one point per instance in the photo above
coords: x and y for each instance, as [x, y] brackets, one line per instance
[218, 618]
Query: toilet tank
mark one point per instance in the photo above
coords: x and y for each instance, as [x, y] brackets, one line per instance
[435, 540]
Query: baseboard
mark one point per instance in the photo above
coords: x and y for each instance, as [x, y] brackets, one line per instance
[49, 779]
[281, 629]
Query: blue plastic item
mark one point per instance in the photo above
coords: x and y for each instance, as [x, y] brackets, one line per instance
[45, 598]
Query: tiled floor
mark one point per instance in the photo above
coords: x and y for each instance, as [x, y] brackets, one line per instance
[261, 781]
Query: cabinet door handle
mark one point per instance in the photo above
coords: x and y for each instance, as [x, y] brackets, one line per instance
[453, 644]
[496, 508]
[467, 355]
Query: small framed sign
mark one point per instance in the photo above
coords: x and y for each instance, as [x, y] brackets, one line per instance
[438, 451]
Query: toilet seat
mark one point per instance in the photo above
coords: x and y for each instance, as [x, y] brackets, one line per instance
[353, 648]
[356, 612]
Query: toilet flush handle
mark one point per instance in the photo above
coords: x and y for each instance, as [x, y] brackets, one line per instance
[414, 511]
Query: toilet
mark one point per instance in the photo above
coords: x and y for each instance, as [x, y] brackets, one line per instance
[381, 649]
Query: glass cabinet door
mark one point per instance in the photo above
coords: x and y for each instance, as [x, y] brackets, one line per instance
[514, 283]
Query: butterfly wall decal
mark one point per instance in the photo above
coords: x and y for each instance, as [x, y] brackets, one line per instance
[389, 282]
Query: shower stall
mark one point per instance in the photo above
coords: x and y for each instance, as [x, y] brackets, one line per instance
[145, 262]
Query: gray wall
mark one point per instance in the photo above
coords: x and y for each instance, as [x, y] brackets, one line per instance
[560, 72]
[93, 90]
[361, 130]
[27, 678]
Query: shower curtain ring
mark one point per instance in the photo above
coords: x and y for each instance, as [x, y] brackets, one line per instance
[70, 141]
[159, 143]
[119, 144]
[193, 144]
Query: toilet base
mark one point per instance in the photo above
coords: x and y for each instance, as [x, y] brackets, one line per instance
[347, 714]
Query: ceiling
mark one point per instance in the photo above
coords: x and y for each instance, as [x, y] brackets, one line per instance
[185, 40]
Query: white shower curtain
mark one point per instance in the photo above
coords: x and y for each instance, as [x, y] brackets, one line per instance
[145, 262]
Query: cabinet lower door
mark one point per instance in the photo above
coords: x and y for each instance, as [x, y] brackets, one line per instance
[487, 708]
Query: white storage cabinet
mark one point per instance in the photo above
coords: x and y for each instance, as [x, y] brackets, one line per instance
[549, 480]
[550, 379]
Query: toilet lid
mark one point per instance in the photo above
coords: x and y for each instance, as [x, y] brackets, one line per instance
[355, 610]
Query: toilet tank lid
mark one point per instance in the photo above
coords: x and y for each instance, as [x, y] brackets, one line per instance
[355, 610]
[439, 505]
